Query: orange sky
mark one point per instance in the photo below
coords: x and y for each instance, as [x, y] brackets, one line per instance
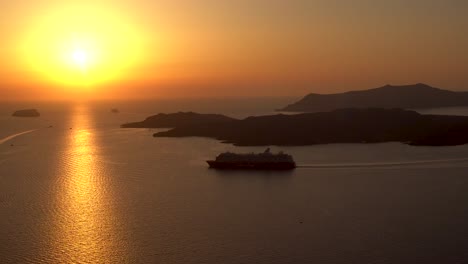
[231, 48]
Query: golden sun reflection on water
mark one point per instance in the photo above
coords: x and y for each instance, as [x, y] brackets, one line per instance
[84, 221]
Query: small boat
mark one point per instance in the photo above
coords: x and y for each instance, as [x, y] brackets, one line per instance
[252, 161]
[115, 110]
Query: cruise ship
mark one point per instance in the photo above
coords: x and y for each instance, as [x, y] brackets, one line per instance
[252, 161]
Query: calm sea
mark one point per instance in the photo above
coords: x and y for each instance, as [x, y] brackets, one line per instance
[76, 188]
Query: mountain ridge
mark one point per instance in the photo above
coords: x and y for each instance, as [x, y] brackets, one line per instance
[415, 96]
[163, 120]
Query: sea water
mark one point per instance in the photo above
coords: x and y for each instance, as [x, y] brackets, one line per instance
[77, 188]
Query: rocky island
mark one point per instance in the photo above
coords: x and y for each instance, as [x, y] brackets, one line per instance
[417, 96]
[26, 113]
[180, 119]
[372, 125]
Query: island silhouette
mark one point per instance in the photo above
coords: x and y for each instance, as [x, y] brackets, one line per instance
[26, 113]
[179, 119]
[353, 125]
[416, 96]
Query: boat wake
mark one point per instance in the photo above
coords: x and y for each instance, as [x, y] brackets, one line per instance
[3, 140]
[379, 164]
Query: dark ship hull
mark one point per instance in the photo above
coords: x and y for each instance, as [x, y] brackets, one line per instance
[251, 165]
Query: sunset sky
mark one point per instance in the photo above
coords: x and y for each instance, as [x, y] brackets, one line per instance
[213, 48]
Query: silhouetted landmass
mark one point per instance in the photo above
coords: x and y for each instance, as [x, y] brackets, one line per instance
[340, 126]
[178, 120]
[416, 96]
[26, 113]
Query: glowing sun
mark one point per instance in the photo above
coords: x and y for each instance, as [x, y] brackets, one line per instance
[80, 57]
[83, 46]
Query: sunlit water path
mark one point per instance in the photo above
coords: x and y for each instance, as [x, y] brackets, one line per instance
[84, 223]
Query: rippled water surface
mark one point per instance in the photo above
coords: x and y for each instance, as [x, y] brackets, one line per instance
[87, 191]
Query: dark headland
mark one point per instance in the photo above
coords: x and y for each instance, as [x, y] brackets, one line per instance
[372, 125]
[26, 113]
[179, 120]
[417, 96]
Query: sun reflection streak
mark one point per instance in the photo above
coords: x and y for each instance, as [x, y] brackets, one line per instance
[84, 225]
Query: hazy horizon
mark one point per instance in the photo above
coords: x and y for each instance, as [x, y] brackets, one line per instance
[90, 97]
[162, 49]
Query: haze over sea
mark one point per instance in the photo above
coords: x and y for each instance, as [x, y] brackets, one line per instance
[88, 191]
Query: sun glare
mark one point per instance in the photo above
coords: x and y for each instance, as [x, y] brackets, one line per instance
[80, 57]
[83, 47]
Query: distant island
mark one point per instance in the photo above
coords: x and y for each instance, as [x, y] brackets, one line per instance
[180, 119]
[372, 125]
[417, 96]
[26, 113]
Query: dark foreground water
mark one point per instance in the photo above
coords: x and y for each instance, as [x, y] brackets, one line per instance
[87, 191]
